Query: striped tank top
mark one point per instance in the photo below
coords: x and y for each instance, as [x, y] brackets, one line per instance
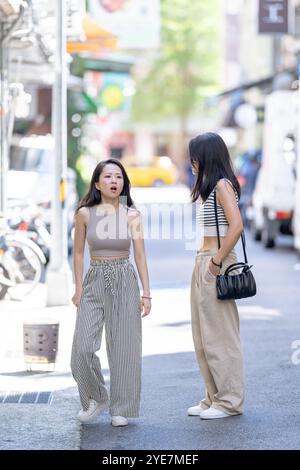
[205, 215]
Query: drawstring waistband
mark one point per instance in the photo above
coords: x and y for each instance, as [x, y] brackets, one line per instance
[102, 262]
[206, 252]
[109, 270]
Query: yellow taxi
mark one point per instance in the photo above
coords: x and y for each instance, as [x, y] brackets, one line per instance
[161, 171]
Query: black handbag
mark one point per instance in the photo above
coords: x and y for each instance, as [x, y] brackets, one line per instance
[234, 286]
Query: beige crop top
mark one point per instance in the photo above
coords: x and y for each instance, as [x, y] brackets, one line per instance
[108, 233]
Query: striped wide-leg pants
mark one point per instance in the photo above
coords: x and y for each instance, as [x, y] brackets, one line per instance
[110, 297]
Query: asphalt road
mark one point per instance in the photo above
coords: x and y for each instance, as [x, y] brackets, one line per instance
[270, 323]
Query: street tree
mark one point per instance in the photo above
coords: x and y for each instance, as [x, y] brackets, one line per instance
[186, 68]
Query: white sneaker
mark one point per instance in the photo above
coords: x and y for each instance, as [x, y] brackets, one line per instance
[213, 413]
[196, 410]
[119, 421]
[85, 416]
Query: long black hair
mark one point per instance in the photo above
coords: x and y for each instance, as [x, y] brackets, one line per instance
[209, 152]
[93, 196]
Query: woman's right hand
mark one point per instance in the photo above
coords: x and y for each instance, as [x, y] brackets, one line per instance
[77, 296]
[145, 306]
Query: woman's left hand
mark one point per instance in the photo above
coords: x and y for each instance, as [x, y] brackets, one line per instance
[215, 270]
[145, 306]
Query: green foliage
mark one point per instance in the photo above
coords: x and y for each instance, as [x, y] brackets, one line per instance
[186, 68]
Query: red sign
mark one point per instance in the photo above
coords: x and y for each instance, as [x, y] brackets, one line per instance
[274, 16]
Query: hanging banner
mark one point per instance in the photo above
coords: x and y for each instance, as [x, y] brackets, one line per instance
[136, 23]
[274, 17]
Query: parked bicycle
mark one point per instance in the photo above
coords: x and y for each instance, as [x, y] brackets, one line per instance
[21, 263]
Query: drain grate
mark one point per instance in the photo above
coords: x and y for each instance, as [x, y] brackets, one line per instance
[37, 398]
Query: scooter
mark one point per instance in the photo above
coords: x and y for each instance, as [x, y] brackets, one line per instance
[31, 224]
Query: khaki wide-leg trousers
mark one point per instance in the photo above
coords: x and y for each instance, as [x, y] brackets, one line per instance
[215, 327]
[110, 297]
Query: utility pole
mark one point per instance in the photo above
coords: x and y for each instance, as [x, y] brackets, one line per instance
[58, 276]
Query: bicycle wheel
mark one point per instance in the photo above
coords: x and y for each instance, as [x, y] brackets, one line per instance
[24, 267]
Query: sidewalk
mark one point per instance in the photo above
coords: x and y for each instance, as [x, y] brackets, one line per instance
[54, 426]
[37, 426]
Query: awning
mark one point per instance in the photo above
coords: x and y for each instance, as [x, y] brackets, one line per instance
[262, 83]
[81, 64]
[96, 39]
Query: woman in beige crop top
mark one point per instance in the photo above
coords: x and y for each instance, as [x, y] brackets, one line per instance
[215, 323]
[109, 295]
[109, 182]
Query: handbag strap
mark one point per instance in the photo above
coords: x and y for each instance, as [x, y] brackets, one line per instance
[218, 231]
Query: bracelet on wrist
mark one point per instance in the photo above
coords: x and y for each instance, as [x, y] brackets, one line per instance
[213, 262]
[146, 297]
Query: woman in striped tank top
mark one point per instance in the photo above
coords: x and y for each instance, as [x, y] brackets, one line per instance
[215, 323]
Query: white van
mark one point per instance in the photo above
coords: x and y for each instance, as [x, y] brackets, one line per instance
[296, 217]
[274, 194]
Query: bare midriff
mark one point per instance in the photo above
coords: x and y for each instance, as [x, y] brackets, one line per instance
[209, 243]
[107, 258]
